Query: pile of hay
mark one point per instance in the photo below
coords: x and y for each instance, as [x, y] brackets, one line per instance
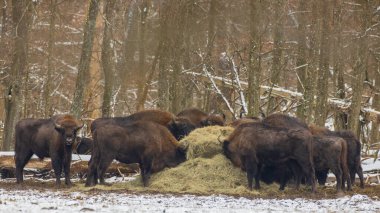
[205, 142]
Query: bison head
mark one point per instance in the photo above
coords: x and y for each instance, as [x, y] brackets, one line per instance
[180, 127]
[214, 120]
[229, 150]
[68, 127]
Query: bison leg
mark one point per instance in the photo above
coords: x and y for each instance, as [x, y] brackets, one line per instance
[309, 171]
[338, 175]
[57, 166]
[252, 169]
[322, 176]
[22, 158]
[359, 170]
[90, 181]
[104, 163]
[66, 168]
[146, 170]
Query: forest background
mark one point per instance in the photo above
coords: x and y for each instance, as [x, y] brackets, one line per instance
[316, 59]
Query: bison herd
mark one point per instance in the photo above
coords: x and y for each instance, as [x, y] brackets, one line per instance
[278, 148]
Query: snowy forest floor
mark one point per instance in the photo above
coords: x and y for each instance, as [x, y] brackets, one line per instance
[39, 193]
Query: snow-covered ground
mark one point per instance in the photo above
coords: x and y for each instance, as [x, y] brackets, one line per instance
[48, 201]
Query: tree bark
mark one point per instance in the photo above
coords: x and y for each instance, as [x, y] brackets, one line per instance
[277, 49]
[144, 8]
[360, 68]
[340, 117]
[376, 106]
[107, 62]
[127, 53]
[21, 17]
[301, 63]
[48, 111]
[254, 72]
[84, 63]
[323, 71]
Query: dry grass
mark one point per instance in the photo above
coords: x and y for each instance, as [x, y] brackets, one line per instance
[204, 142]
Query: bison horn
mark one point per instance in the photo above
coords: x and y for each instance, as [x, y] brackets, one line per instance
[58, 126]
[80, 126]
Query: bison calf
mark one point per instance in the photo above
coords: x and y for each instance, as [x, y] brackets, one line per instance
[147, 143]
[46, 138]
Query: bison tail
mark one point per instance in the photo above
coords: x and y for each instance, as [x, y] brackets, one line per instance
[343, 161]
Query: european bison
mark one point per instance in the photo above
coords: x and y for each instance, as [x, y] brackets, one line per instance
[46, 138]
[253, 144]
[82, 146]
[284, 121]
[147, 143]
[201, 119]
[244, 120]
[179, 127]
[353, 151]
[330, 153]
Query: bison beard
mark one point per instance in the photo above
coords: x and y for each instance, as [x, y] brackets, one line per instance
[147, 143]
[253, 144]
[178, 127]
[46, 138]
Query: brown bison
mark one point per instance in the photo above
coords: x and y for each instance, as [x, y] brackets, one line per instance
[82, 146]
[244, 120]
[201, 119]
[252, 145]
[179, 127]
[284, 121]
[147, 143]
[330, 153]
[46, 138]
[353, 151]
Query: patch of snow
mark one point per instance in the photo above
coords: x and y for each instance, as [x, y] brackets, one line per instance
[43, 201]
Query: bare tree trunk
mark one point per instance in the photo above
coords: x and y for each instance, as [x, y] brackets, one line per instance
[4, 5]
[301, 58]
[107, 62]
[83, 67]
[142, 74]
[50, 69]
[376, 106]
[360, 68]
[21, 13]
[254, 72]
[311, 72]
[127, 53]
[277, 49]
[323, 71]
[340, 117]
[209, 96]
[163, 81]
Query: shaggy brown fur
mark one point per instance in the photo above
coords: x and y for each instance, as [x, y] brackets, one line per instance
[252, 145]
[353, 150]
[147, 143]
[46, 138]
